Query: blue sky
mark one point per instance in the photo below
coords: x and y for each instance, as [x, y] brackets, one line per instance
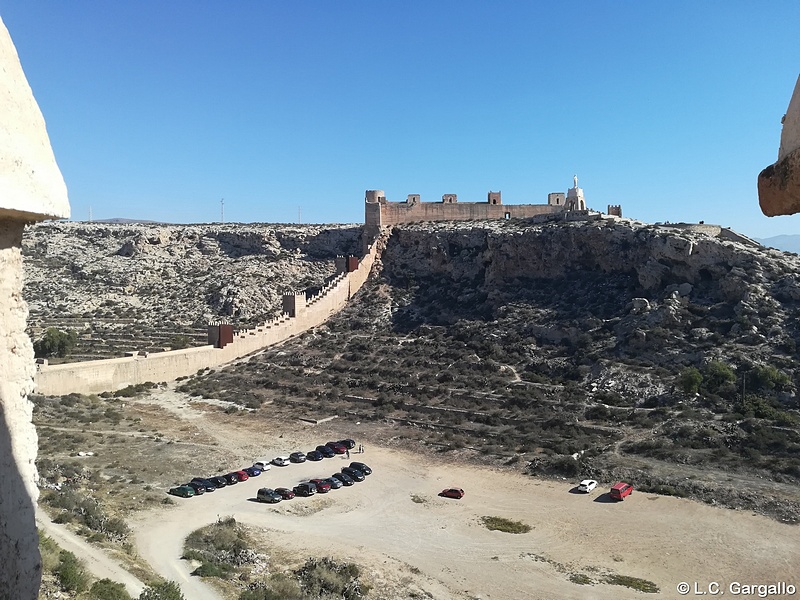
[157, 110]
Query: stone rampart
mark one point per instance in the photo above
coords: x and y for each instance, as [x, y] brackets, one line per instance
[395, 213]
[97, 376]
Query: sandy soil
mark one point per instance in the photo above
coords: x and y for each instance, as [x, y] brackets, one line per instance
[440, 546]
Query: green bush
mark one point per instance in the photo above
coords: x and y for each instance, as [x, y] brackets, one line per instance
[179, 342]
[105, 589]
[717, 374]
[505, 525]
[689, 380]
[55, 342]
[280, 587]
[323, 577]
[167, 590]
[71, 574]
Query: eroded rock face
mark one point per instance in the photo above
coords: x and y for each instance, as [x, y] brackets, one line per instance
[779, 183]
[779, 186]
[20, 567]
[31, 189]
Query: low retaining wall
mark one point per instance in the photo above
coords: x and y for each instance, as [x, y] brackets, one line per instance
[95, 376]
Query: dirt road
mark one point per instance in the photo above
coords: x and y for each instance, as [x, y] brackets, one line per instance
[662, 539]
[98, 562]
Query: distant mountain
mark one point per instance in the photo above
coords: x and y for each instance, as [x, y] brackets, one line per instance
[787, 243]
[121, 221]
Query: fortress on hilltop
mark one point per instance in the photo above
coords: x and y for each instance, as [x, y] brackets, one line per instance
[378, 212]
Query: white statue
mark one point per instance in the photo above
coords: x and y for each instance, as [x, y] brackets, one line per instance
[575, 179]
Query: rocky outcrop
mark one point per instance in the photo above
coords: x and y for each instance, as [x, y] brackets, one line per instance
[680, 287]
[31, 189]
[176, 274]
[779, 183]
[779, 186]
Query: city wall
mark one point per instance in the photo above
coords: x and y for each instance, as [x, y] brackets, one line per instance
[97, 376]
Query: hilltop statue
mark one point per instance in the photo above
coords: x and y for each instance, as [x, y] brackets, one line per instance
[575, 179]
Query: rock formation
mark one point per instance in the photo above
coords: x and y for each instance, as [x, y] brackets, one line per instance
[779, 183]
[31, 189]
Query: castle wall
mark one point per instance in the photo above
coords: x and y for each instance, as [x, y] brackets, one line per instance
[97, 376]
[395, 213]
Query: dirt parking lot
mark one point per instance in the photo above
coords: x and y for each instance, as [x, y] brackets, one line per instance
[395, 524]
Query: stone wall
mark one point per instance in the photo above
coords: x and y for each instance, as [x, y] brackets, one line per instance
[395, 213]
[31, 189]
[113, 374]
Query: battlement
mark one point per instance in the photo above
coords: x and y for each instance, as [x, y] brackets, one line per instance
[378, 212]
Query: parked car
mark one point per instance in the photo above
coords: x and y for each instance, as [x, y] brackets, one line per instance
[285, 493]
[184, 491]
[314, 455]
[231, 478]
[252, 471]
[199, 488]
[348, 443]
[262, 465]
[456, 493]
[337, 447]
[587, 485]
[620, 489]
[218, 481]
[354, 474]
[323, 487]
[333, 482]
[326, 452]
[242, 475]
[268, 495]
[206, 483]
[280, 461]
[305, 489]
[297, 457]
[361, 467]
[345, 479]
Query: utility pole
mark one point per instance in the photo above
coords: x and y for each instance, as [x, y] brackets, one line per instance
[222, 210]
[90, 214]
[299, 214]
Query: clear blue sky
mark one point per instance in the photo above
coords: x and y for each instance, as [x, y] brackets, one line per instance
[157, 110]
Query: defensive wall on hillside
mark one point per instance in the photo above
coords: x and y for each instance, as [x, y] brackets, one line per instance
[380, 213]
[300, 313]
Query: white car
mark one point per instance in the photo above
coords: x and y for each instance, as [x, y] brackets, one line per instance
[587, 485]
[281, 461]
[262, 464]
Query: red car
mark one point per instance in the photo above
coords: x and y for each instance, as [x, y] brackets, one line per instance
[456, 493]
[241, 475]
[620, 490]
[323, 487]
[337, 447]
[285, 493]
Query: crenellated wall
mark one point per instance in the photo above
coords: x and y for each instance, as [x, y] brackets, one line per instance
[113, 374]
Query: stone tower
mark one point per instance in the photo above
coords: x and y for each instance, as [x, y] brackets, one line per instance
[31, 189]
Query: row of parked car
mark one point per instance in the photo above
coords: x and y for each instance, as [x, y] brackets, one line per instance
[355, 472]
[201, 485]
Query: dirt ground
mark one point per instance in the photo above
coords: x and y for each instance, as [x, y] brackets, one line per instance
[396, 526]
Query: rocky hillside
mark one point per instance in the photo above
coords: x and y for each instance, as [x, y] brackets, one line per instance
[606, 350]
[659, 294]
[124, 286]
